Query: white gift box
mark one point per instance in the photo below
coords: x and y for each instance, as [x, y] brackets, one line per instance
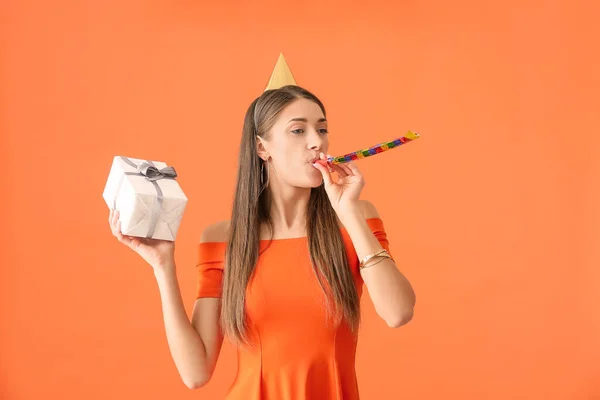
[149, 199]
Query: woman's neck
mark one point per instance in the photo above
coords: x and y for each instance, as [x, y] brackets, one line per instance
[288, 210]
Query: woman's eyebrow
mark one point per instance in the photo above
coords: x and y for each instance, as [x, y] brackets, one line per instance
[301, 119]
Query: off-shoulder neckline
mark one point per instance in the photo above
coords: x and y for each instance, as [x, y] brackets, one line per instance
[287, 239]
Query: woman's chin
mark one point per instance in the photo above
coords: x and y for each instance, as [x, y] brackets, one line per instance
[315, 181]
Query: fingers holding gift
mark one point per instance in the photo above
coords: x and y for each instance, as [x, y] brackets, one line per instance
[115, 227]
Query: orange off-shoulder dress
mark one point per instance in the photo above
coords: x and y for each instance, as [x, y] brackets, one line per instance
[298, 353]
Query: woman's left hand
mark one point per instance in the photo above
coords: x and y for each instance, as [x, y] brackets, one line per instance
[344, 193]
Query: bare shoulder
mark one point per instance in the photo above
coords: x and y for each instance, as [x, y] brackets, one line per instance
[216, 232]
[368, 209]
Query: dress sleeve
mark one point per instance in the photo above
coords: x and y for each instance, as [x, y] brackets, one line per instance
[376, 225]
[211, 257]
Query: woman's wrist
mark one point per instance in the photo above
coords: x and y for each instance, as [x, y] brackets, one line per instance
[164, 269]
[349, 213]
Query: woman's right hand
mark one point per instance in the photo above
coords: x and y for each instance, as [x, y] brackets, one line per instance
[158, 253]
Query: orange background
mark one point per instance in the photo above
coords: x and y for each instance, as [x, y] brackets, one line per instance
[491, 214]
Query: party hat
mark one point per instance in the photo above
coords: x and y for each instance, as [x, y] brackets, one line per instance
[281, 75]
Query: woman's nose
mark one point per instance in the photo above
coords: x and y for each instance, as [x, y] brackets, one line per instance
[316, 142]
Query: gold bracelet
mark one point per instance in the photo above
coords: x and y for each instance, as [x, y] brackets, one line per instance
[368, 257]
[380, 253]
[381, 258]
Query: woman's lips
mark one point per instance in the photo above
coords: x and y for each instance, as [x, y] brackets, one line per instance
[322, 162]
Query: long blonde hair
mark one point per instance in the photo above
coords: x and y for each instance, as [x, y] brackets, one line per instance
[251, 210]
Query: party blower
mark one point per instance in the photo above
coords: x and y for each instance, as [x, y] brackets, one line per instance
[371, 151]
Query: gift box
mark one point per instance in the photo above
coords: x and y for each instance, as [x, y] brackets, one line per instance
[149, 199]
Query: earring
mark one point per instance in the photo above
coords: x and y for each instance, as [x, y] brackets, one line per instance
[268, 174]
[262, 175]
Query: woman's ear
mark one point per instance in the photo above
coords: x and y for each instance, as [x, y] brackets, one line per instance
[261, 149]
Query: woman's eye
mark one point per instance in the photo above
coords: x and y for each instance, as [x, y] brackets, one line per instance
[300, 130]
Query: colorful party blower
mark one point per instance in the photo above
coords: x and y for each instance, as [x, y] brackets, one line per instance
[378, 148]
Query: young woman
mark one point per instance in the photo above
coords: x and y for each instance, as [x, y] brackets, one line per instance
[282, 280]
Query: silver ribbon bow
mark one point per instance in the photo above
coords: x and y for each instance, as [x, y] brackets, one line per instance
[153, 173]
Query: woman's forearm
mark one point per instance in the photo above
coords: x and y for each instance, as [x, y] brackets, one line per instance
[185, 343]
[390, 291]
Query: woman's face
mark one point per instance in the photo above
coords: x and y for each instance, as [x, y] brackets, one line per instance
[296, 138]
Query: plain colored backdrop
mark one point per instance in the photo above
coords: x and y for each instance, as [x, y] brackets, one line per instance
[493, 214]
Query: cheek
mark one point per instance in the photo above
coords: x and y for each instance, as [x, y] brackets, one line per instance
[294, 169]
[298, 172]
[325, 144]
